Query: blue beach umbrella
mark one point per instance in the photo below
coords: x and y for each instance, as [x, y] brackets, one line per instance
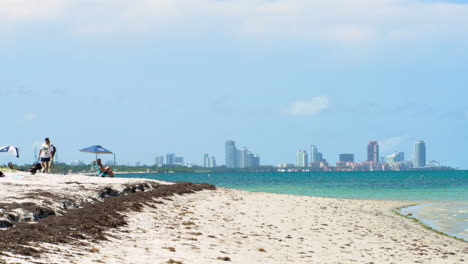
[96, 149]
[11, 149]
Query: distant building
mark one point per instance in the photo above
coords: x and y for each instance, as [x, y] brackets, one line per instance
[240, 158]
[285, 165]
[320, 157]
[159, 160]
[179, 160]
[137, 164]
[255, 161]
[244, 158]
[346, 157]
[373, 152]
[231, 154]
[208, 162]
[314, 157]
[212, 162]
[302, 160]
[170, 158]
[419, 154]
[395, 158]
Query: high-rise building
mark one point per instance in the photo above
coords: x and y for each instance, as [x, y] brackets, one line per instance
[419, 154]
[240, 158]
[170, 158]
[159, 160]
[231, 154]
[395, 157]
[179, 160]
[206, 160]
[244, 158]
[346, 157]
[212, 162]
[314, 154]
[302, 160]
[319, 157]
[255, 161]
[373, 152]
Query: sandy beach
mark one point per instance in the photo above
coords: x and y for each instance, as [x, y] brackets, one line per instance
[203, 225]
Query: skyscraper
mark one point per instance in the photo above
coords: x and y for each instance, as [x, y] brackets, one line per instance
[314, 154]
[244, 158]
[347, 157]
[373, 151]
[255, 161]
[395, 157]
[170, 158]
[419, 154]
[212, 162]
[209, 162]
[206, 160]
[302, 160]
[231, 154]
[159, 160]
[319, 156]
[179, 160]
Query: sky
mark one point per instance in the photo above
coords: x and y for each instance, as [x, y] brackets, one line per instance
[149, 77]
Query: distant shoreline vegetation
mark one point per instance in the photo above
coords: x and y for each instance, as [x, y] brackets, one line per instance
[64, 168]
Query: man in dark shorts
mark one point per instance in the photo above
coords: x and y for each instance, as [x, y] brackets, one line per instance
[45, 155]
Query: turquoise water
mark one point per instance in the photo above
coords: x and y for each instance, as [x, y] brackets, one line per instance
[445, 191]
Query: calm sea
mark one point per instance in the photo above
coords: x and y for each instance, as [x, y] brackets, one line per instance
[442, 195]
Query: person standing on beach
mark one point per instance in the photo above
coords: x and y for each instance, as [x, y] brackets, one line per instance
[45, 155]
[52, 156]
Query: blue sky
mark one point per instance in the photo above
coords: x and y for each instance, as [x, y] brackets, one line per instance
[150, 77]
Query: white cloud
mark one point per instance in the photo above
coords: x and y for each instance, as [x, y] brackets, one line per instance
[390, 144]
[30, 117]
[308, 107]
[20, 10]
[331, 21]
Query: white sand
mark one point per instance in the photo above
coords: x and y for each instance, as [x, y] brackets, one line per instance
[252, 227]
[21, 187]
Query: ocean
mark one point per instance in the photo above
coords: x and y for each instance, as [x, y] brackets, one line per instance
[442, 196]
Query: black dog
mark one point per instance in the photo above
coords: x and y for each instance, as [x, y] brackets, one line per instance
[35, 167]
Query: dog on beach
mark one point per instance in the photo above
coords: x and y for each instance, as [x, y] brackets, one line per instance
[35, 167]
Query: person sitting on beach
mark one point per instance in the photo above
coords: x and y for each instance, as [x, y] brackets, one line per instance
[107, 170]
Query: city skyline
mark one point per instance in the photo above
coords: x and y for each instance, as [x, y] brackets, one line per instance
[418, 157]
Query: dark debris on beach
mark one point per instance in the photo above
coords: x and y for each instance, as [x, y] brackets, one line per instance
[87, 223]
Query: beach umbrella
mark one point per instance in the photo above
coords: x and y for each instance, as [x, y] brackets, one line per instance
[97, 149]
[11, 149]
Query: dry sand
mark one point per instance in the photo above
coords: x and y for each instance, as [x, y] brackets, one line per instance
[245, 227]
